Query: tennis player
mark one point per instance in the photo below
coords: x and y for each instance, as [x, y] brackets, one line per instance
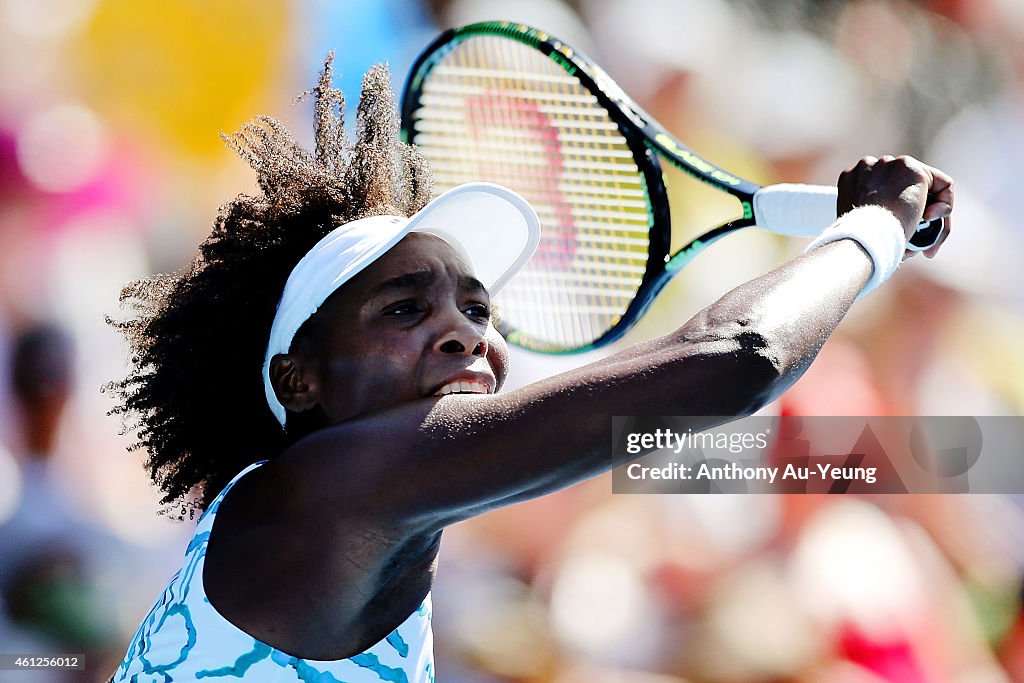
[326, 479]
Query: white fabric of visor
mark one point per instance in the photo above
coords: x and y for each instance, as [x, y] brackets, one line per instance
[492, 228]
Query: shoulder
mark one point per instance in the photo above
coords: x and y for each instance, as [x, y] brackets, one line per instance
[351, 468]
[336, 476]
[277, 569]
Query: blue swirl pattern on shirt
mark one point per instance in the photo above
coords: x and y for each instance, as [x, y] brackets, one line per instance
[183, 637]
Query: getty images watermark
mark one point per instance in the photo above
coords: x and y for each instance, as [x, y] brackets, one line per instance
[819, 455]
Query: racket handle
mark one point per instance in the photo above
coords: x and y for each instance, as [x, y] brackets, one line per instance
[797, 210]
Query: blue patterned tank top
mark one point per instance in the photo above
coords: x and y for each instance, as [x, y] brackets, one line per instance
[184, 638]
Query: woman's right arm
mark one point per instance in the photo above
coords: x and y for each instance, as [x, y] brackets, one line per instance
[432, 462]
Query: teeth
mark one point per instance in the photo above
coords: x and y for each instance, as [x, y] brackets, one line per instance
[462, 387]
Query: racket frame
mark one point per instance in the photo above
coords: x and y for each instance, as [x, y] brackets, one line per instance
[647, 140]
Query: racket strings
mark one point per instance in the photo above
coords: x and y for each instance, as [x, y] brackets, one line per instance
[494, 109]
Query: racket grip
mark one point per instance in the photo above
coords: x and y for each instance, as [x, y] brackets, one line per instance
[797, 210]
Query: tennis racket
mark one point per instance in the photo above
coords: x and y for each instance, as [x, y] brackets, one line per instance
[507, 103]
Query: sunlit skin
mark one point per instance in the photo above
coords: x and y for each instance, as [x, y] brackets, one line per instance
[412, 322]
[329, 546]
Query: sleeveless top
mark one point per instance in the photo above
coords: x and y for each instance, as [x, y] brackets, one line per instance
[184, 638]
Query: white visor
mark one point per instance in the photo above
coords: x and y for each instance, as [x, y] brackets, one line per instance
[494, 229]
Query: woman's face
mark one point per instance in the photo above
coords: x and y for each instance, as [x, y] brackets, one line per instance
[413, 325]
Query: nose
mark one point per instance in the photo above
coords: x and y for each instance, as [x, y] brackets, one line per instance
[462, 336]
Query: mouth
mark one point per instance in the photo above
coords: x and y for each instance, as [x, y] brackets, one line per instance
[463, 386]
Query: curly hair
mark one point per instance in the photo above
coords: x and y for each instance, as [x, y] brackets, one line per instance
[194, 394]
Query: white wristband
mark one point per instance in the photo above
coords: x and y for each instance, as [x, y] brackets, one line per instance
[878, 231]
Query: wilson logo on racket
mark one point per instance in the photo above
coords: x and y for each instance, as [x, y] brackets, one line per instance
[507, 103]
[491, 116]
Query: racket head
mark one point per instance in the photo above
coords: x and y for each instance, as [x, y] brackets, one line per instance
[507, 103]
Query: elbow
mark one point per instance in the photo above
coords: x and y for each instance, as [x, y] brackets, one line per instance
[761, 373]
[740, 368]
[752, 351]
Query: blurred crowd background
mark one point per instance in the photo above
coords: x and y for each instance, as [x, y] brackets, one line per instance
[111, 168]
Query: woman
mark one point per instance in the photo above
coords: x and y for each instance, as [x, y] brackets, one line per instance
[379, 421]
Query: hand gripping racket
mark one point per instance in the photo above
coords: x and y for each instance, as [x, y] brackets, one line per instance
[507, 103]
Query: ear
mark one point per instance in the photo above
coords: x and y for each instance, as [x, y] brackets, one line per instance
[296, 387]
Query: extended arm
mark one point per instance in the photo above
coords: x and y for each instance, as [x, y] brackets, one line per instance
[432, 462]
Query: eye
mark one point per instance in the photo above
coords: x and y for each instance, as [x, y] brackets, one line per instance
[403, 308]
[478, 310]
